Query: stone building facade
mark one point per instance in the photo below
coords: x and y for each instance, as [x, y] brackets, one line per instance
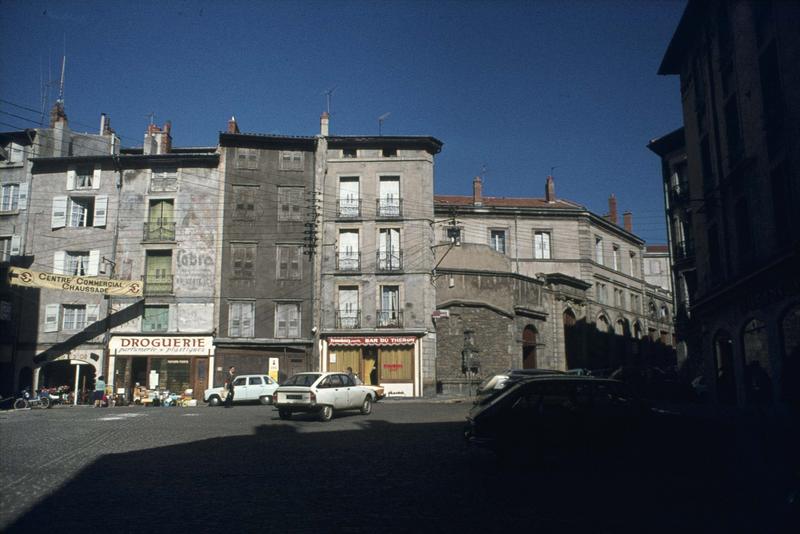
[266, 283]
[375, 259]
[739, 76]
[594, 308]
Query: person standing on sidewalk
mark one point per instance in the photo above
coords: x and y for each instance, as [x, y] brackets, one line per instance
[99, 391]
[229, 377]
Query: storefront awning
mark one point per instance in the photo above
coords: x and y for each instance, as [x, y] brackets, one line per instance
[363, 341]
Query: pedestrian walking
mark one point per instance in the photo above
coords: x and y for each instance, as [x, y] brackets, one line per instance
[229, 377]
[99, 391]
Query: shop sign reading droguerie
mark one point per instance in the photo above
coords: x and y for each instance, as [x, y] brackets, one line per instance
[77, 284]
[161, 345]
[363, 341]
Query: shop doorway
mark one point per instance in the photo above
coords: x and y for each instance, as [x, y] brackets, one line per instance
[57, 373]
[139, 371]
[200, 382]
[370, 371]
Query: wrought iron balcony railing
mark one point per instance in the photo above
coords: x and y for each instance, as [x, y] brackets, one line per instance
[389, 207]
[390, 319]
[389, 261]
[158, 285]
[348, 319]
[348, 261]
[159, 231]
[348, 208]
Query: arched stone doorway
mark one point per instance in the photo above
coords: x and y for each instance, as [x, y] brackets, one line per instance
[529, 347]
[572, 341]
[757, 368]
[726, 375]
[604, 343]
[24, 379]
[790, 371]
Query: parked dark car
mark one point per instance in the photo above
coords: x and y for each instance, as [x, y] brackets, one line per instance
[495, 384]
[557, 413]
[654, 383]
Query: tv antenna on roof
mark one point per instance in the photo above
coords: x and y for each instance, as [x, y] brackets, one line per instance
[380, 121]
[328, 94]
[151, 116]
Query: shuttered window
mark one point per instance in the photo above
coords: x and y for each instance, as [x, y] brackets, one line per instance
[289, 266]
[290, 203]
[243, 260]
[287, 320]
[241, 319]
[291, 160]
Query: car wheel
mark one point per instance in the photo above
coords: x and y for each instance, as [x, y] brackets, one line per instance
[214, 401]
[284, 414]
[326, 413]
[265, 399]
[366, 406]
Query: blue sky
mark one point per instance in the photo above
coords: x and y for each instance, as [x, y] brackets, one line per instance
[517, 87]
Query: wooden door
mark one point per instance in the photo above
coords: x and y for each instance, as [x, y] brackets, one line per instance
[200, 379]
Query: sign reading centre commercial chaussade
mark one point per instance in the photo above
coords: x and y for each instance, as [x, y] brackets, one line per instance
[361, 341]
[161, 345]
[78, 284]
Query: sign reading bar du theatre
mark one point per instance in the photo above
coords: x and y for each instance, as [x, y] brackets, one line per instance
[372, 340]
[161, 345]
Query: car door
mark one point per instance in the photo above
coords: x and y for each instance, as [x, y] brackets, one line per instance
[240, 388]
[340, 391]
[255, 387]
[351, 391]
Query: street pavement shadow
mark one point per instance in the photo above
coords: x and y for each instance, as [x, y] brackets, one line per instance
[382, 477]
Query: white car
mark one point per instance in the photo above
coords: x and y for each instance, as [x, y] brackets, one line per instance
[322, 393]
[246, 388]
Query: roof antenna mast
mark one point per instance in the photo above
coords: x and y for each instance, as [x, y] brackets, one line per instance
[328, 94]
[381, 119]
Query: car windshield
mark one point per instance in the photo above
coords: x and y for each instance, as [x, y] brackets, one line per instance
[302, 379]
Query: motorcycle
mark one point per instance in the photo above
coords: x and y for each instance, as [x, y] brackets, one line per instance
[29, 401]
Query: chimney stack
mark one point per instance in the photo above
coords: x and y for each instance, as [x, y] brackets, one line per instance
[57, 114]
[102, 123]
[612, 209]
[233, 128]
[627, 221]
[550, 190]
[157, 140]
[324, 122]
[477, 191]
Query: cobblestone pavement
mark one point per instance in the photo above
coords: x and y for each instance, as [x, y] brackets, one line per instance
[403, 468]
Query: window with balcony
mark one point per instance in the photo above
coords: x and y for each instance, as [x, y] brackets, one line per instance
[158, 275]
[497, 240]
[287, 320]
[349, 197]
[241, 318]
[160, 225]
[389, 202]
[347, 255]
[289, 265]
[155, 318]
[243, 260]
[290, 203]
[390, 256]
[348, 314]
[390, 314]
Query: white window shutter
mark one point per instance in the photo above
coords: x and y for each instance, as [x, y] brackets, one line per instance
[94, 263]
[15, 245]
[59, 219]
[51, 317]
[98, 172]
[100, 210]
[59, 259]
[23, 196]
[70, 179]
[92, 313]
